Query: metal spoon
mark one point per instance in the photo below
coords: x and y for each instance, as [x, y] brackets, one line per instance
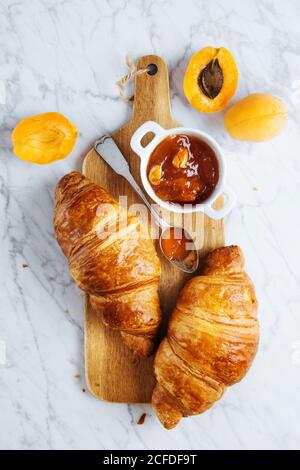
[107, 149]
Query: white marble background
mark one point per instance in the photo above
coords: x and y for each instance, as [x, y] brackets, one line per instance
[66, 55]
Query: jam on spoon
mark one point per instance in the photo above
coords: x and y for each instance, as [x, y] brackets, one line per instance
[178, 247]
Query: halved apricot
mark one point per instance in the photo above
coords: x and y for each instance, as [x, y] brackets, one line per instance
[210, 79]
[44, 138]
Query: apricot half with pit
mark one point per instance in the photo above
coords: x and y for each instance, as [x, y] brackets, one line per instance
[256, 118]
[210, 79]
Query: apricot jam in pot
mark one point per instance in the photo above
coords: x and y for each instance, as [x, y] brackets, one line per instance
[183, 169]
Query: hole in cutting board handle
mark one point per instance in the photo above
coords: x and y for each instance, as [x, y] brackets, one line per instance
[146, 139]
[152, 69]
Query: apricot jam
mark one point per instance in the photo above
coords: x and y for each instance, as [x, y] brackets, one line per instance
[174, 244]
[183, 169]
[178, 247]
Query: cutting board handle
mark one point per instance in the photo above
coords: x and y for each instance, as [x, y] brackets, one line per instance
[151, 93]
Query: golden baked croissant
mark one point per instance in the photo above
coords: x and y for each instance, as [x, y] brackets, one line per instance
[118, 268]
[211, 341]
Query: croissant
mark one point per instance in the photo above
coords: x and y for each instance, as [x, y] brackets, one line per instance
[112, 258]
[211, 341]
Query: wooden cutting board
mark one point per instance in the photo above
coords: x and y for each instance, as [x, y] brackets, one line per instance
[113, 373]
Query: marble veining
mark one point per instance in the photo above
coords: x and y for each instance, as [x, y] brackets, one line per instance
[66, 56]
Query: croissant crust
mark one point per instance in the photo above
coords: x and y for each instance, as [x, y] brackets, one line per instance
[111, 257]
[211, 341]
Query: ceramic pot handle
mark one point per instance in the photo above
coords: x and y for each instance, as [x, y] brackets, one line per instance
[217, 214]
[135, 143]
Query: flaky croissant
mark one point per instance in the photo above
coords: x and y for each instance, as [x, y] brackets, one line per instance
[118, 268]
[211, 341]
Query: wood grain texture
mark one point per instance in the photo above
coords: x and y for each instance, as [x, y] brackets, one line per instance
[113, 373]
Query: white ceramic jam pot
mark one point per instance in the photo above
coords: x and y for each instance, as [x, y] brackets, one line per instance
[144, 153]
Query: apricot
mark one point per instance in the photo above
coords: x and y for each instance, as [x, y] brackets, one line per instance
[181, 158]
[155, 175]
[256, 118]
[44, 138]
[210, 79]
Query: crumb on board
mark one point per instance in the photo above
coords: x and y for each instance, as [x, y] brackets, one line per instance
[77, 376]
[25, 265]
[66, 311]
[142, 419]
[83, 389]
[255, 188]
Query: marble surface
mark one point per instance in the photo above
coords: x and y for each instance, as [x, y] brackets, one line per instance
[66, 56]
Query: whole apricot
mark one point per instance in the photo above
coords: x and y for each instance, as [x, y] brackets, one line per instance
[256, 118]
